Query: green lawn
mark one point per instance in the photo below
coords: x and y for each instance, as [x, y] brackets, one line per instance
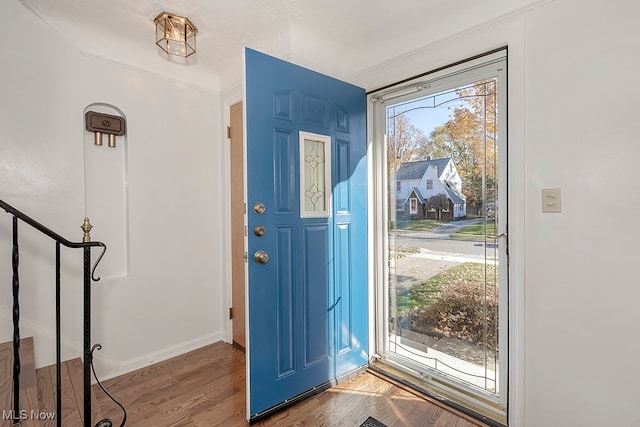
[474, 232]
[421, 224]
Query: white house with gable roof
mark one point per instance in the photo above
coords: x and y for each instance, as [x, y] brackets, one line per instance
[429, 189]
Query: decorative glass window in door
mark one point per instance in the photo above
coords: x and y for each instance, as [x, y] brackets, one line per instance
[315, 175]
[414, 206]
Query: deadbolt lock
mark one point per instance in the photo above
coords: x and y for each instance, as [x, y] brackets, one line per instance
[259, 208]
[259, 230]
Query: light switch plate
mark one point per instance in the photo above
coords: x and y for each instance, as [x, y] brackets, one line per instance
[551, 200]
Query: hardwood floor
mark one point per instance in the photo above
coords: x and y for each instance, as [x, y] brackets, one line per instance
[207, 388]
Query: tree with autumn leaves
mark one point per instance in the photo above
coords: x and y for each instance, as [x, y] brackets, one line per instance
[404, 142]
[469, 137]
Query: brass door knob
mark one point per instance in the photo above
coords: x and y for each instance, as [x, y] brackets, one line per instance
[261, 257]
[259, 230]
[259, 208]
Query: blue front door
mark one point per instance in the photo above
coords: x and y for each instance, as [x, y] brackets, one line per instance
[307, 230]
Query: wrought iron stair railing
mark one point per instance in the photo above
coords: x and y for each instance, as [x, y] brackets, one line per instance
[88, 276]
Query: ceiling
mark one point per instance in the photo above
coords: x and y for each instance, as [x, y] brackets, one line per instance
[339, 37]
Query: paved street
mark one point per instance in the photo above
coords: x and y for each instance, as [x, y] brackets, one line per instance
[437, 242]
[437, 253]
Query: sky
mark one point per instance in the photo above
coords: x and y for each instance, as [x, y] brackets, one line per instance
[427, 112]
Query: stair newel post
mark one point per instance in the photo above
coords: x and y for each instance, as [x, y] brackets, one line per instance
[16, 325]
[58, 342]
[86, 227]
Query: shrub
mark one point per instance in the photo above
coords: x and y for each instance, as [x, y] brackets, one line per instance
[459, 310]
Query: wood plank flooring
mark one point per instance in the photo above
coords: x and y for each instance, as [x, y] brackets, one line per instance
[6, 372]
[207, 388]
[46, 378]
[38, 391]
[71, 373]
[28, 386]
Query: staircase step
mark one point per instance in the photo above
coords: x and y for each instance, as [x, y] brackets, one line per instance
[46, 378]
[72, 393]
[38, 390]
[28, 384]
[6, 372]
[75, 372]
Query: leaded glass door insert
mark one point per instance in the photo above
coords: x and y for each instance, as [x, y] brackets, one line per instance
[315, 170]
[446, 241]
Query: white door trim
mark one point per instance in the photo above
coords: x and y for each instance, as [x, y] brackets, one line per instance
[378, 218]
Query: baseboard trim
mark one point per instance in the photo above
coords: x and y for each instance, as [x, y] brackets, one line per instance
[107, 366]
[239, 347]
[156, 356]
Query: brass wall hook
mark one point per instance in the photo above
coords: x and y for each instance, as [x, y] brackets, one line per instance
[101, 123]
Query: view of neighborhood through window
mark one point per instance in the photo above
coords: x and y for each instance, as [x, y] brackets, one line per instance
[442, 170]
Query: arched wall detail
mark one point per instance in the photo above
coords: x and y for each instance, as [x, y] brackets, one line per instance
[106, 194]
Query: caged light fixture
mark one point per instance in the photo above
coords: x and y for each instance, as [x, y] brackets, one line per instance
[175, 35]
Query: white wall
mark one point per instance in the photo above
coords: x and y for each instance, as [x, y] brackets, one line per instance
[573, 95]
[582, 283]
[171, 301]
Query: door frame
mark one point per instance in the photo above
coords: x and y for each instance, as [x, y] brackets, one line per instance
[237, 310]
[486, 67]
[407, 65]
[227, 99]
[515, 206]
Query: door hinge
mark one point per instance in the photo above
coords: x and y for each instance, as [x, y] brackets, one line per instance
[246, 257]
[245, 208]
[245, 230]
[229, 132]
[230, 312]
